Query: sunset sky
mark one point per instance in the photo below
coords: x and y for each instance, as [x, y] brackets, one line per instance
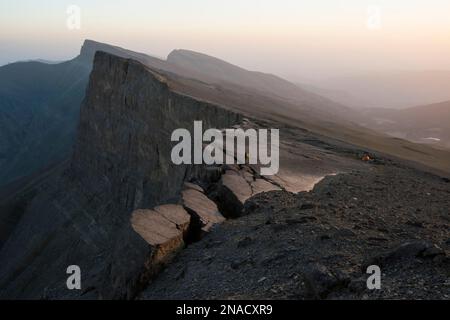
[292, 38]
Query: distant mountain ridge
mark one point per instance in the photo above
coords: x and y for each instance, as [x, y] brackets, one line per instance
[39, 102]
[394, 90]
[39, 108]
[423, 124]
[80, 212]
[121, 162]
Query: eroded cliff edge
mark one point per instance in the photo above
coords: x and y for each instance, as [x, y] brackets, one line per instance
[121, 162]
[101, 212]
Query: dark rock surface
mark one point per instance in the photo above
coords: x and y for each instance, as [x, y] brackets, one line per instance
[285, 248]
[202, 208]
[236, 187]
[39, 113]
[278, 244]
[165, 224]
[121, 163]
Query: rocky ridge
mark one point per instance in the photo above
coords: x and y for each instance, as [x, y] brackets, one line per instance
[121, 162]
[318, 244]
[122, 211]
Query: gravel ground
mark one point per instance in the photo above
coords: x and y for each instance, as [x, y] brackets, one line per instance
[318, 244]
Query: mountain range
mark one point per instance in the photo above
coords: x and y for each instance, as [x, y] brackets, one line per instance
[391, 90]
[39, 102]
[110, 200]
[40, 105]
[422, 124]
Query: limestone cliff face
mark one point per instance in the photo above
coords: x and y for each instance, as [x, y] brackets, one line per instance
[124, 136]
[121, 162]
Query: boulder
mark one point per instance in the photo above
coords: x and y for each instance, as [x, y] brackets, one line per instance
[261, 185]
[320, 281]
[233, 191]
[405, 251]
[189, 185]
[202, 208]
[165, 225]
[236, 187]
[164, 228]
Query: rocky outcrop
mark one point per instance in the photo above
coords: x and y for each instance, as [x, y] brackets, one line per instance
[286, 248]
[404, 252]
[39, 113]
[121, 163]
[164, 229]
[236, 186]
[204, 210]
[161, 226]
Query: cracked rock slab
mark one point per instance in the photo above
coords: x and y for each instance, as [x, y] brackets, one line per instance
[190, 185]
[164, 224]
[261, 185]
[237, 187]
[198, 204]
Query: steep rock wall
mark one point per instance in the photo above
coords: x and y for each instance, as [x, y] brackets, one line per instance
[121, 162]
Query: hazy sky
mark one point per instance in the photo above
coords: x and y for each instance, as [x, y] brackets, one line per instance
[293, 38]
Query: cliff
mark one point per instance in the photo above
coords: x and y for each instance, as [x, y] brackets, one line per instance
[121, 210]
[121, 162]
